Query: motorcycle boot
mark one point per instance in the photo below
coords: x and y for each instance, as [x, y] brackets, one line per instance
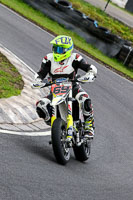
[69, 137]
[89, 127]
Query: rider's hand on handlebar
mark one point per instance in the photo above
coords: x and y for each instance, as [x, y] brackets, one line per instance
[88, 77]
[37, 84]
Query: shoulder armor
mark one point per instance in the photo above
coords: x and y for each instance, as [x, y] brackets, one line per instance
[78, 57]
[47, 58]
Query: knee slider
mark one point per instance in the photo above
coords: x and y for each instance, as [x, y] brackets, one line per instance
[43, 109]
[40, 113]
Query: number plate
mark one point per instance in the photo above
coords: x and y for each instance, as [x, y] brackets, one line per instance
[60, 89]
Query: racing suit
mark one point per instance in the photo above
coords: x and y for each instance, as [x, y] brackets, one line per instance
[67, 68]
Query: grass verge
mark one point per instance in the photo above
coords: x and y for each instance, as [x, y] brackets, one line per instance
[56, 29]
[104, 19]
[11, 82]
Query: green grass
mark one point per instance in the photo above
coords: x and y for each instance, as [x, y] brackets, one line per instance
[11, 82]
[52, 26]
[104, 20]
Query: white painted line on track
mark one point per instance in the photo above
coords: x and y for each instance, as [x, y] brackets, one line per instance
[34, 134]
[53, 37]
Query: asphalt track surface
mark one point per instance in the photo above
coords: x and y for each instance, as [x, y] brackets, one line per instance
[28, 169]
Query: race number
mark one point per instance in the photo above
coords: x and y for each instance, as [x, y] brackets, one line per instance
[60, 89]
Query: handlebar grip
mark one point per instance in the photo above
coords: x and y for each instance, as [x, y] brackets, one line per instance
[47, 84]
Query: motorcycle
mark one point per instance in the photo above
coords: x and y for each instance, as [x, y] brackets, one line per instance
[67, 120]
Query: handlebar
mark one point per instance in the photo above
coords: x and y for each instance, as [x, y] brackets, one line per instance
[61, 80]
[55, 81]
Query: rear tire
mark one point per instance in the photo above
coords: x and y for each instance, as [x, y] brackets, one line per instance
[82, 152]
[60, 149]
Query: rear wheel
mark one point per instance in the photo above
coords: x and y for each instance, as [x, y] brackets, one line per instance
[60, 147]
[82, 152]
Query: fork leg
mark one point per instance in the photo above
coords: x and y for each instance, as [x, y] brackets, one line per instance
[70, 118]
[53, 115]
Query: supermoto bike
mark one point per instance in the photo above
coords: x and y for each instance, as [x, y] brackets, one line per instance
[67, 120]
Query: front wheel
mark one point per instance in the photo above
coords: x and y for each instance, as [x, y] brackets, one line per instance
[60, 147]
[82, 152]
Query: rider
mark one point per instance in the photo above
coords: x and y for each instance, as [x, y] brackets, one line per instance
[63, 63]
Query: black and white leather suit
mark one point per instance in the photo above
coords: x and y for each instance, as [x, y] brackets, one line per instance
[67, 68]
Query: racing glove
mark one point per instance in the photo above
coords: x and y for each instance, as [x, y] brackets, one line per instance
[37, 82]
[90, 75]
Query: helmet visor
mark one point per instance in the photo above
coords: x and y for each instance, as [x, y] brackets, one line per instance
[59, 50]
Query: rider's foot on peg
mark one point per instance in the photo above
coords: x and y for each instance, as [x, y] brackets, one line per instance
[89, 133]
[69, 141]
[89, 128]
[69, 138]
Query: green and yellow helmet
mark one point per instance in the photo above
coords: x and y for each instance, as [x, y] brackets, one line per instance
[62, 47]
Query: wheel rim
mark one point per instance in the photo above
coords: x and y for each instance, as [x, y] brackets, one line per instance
[65, 149]
[87, 147]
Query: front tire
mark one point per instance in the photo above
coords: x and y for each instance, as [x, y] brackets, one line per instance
[82, 152]
[60, 149]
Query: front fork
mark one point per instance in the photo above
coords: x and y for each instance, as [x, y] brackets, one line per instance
[69, 117]
[54, 114]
